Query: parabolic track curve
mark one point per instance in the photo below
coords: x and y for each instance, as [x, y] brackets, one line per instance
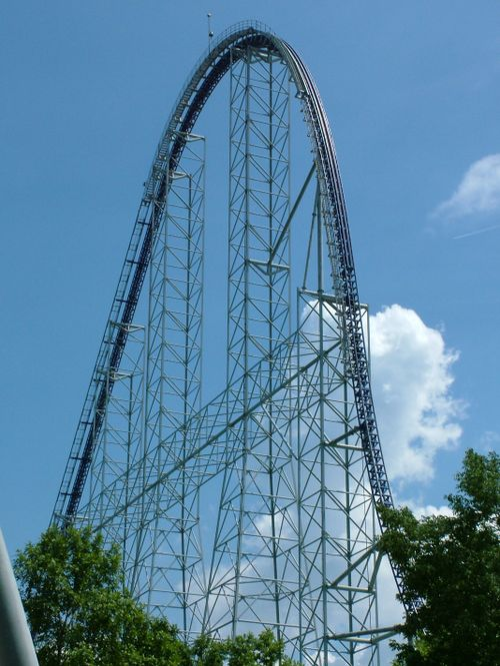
[202, 82]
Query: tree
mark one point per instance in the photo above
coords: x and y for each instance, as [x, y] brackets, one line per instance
[450, 569]
[208, 651]
[80, 613]
[244, 650]
[78, 610]
[261, 650]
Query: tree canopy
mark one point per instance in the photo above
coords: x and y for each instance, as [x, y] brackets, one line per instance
[450, 568]
[80, 613]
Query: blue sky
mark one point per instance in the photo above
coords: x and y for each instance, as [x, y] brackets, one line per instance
[412, 91]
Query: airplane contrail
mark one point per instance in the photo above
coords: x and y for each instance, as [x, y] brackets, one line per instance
[477, 232]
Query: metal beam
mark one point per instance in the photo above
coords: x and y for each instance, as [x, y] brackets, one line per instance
[16, 645]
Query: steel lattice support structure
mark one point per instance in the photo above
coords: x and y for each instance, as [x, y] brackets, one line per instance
[258, 323]
[257, 507]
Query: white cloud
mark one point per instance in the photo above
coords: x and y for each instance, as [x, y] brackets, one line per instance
[490, 440]
[427, 510]
[412, 378]
[477, 192]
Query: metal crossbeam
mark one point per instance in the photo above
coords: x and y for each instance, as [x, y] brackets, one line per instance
[257, 507]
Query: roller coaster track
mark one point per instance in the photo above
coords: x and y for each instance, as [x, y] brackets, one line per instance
[200, 85]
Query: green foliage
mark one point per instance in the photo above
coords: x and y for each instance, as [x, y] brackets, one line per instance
[261, 650]
[207, 651]
[78, 610]
[80, 614]
[244, 650]
[450, 567]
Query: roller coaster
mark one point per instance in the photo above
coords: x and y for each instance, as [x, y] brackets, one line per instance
[256, 506]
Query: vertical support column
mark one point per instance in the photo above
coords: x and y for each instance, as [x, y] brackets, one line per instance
[337, 560]
[255, 492]
[170, 556]
[258, 281]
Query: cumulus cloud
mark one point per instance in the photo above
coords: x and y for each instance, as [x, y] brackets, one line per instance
[428, 510]
[477, 192]
[412, 379]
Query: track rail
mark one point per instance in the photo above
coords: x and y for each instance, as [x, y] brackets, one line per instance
[203, 80]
